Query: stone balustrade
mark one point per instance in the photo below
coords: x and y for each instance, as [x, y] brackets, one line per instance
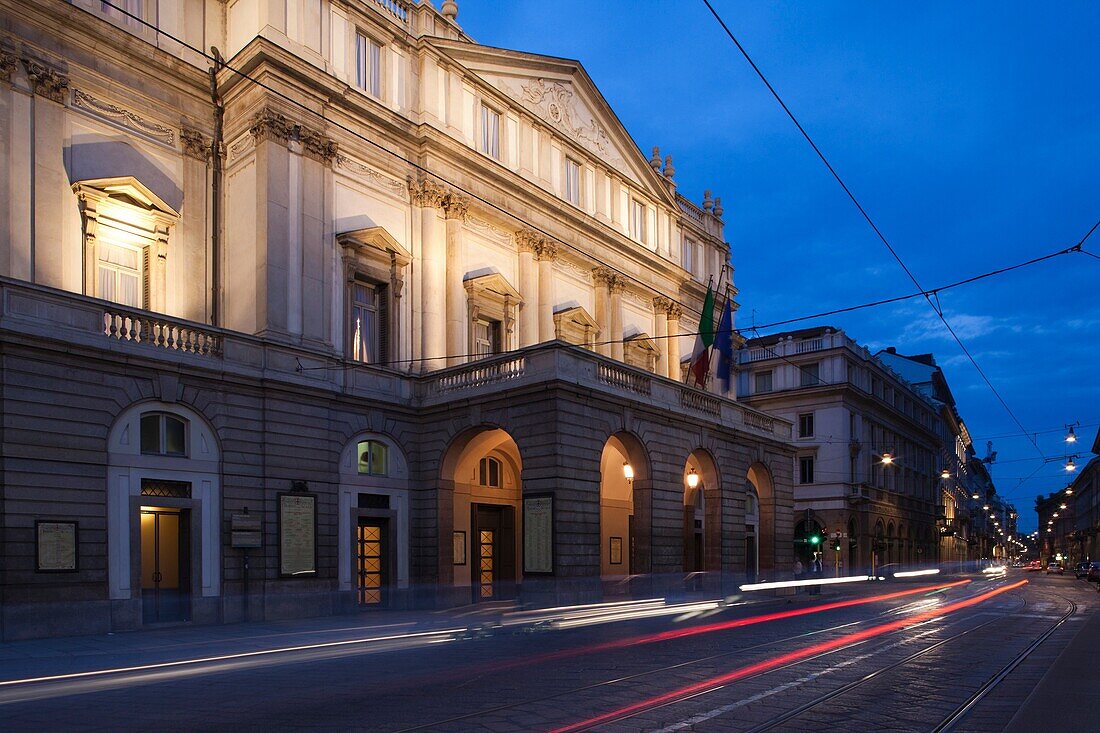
[35, 312]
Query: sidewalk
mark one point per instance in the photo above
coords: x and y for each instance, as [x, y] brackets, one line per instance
[1064, 699]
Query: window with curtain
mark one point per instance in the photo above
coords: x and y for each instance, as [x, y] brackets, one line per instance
[369, 322]
[572, 182]
[120, 274]
[368, 65]
[490, 132]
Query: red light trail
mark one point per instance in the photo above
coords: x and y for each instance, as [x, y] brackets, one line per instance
[782, 659]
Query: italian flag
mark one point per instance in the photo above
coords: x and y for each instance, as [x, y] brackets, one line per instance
[700, 355]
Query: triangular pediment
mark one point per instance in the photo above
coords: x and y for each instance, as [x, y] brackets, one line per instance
[375, 238]
[560, 94]
[128, 191]
[493, 284]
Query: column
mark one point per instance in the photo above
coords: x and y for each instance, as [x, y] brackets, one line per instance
[455, 208]
[673, 351]
[615, 286]
[545, 252]
[528, 287]
[660, 324]
[600, 277]
[428, 197]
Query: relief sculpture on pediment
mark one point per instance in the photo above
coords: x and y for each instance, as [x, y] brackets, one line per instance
[555, 102]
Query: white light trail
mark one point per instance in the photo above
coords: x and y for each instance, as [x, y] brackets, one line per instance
[804, 583]
[915, 573]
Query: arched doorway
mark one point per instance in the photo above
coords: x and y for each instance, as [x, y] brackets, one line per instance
[373, 522]
[759, 481]
[164, 514]
[891, 544]
[624, 531]
[702, 519]
[878, 545]
[804, 550]
[484, 467]
[752, 534]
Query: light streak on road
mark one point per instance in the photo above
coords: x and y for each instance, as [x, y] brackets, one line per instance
[783, 659]
[806, 583]
[916, 573]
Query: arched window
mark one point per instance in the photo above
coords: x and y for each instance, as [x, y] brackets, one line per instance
[373, 458]
[750, 504]
[489, 472]
[163, 434]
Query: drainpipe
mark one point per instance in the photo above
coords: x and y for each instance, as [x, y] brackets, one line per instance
[216, 191]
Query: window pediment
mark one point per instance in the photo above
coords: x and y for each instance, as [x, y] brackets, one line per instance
[576, 326]
[493, 287]
[127, 193]
[375, 243]
[640, 351]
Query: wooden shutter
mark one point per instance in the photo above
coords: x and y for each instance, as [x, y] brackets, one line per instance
[146, 276]
[383, 324]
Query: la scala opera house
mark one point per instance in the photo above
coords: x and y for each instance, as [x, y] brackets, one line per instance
[349, 313]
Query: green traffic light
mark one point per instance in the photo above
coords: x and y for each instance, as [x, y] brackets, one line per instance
[815, 540]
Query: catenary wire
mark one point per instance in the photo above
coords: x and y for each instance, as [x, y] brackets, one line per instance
[878, 232]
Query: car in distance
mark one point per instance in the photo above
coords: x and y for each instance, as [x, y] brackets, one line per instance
[1081, 569]
[1033, 565]
[1093, 575]
[1055, 568]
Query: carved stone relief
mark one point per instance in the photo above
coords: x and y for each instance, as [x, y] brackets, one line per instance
[122, 117]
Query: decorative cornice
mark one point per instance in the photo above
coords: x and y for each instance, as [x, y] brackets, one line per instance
[195, 144]
[9, 62]
[47, 82]
[122, 117]
[426, 192]
[455, 206]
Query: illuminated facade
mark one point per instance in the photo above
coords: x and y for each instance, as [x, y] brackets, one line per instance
[240, 329]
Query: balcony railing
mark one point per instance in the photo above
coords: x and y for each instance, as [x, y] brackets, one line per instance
[701, 401]
[396, 8]
[480, 375]
[625, 379]
[804, 347]
[159, 332]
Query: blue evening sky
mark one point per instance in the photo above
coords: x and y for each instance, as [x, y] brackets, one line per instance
[970, 132]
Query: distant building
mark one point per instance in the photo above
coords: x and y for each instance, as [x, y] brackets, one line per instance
[869, 447]
[1069, 519]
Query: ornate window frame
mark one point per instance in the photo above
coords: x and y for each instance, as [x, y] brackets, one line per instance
[639, 351]
[125, 206]
[373, 255]
[576, 326]
[491, 296]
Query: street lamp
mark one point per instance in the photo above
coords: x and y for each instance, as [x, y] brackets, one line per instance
[628, 472]
[692, 479]
[1071, 437]
[888, 459]
[1070, 465]
[945, 474]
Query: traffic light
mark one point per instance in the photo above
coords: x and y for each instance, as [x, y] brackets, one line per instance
[816, 538]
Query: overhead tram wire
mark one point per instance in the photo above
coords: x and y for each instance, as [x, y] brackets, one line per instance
[878, 232]
[221, 63]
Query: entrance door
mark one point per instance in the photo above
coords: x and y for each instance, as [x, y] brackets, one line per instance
[494, 552]
[165, 565]
[372, 561]
[750, 557]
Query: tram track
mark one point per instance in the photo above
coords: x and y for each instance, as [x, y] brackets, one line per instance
[682, 665]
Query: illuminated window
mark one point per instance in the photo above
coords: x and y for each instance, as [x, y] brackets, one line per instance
[489, 472]
[120, 274]
[368, 65]
[373, 458]
[369, 321]
[490, 132]
[571, 185]
[163, 434]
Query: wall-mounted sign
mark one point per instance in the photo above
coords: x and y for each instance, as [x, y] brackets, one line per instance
[55, 546]
[246, 531]
[616, 551]
[538, 534]
[459, 540]
[297, 535]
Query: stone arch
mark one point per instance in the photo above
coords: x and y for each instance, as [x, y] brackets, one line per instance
[480, 519]
[625, 506]
[702, 513]
[759, 478]
[149, 478]
[373, 522]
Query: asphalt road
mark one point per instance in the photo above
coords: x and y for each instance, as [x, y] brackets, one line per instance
[964, 657]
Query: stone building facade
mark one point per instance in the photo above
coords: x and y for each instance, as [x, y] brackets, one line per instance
[868, 462]
[1069, 519]
[389, 318]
